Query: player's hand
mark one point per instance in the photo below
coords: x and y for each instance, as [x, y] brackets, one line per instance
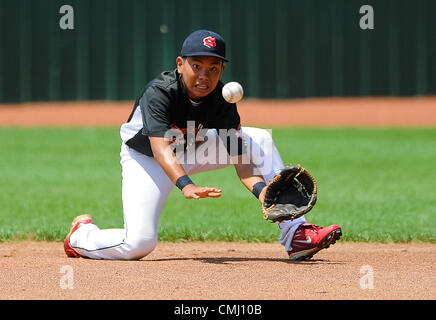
[262, 195]
[192, 191]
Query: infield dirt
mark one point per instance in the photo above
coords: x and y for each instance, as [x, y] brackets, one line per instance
[222, 271]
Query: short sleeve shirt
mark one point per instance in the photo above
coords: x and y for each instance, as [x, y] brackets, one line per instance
[165, 105]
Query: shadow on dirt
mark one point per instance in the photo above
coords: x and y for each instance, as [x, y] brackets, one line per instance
[227, 260]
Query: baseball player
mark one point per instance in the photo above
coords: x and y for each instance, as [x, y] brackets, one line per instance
[181, 125]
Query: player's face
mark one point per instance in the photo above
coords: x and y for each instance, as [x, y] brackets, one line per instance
[200, 74]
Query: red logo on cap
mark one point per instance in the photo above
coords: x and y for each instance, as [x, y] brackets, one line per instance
[209, 42]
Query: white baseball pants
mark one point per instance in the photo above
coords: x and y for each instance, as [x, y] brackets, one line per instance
[146, 187]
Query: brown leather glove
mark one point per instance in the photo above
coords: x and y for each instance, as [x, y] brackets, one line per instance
[289, 195]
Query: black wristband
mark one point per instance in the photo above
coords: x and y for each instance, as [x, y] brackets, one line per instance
[257, 188]
[183, 181]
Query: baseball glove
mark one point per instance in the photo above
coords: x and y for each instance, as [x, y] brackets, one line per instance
[289, 195]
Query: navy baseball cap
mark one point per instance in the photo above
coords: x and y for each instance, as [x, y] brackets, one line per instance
[204, 43]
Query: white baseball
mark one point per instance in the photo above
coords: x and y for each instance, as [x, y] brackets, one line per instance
[233, 92]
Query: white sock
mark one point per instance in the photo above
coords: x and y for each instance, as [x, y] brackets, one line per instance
[287, 229]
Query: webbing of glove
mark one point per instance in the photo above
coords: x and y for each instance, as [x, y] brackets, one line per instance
[290, 194]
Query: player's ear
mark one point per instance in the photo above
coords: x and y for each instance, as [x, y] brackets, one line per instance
[179, 63]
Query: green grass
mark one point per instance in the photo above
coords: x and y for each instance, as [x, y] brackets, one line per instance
[378, 184]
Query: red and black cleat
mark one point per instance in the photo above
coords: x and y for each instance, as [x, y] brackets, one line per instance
[309, 239]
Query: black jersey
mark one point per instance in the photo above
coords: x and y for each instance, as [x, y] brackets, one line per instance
[164, 105]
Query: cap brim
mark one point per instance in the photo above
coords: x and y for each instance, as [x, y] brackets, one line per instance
[205, 53]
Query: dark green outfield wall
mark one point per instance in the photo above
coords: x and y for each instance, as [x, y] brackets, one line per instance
[277, 48]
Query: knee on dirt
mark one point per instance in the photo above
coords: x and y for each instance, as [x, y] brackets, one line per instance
[138, 246]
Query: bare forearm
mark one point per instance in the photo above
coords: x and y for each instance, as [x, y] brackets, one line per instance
[249, 182]
[249, 179]
[166, 158]
[170, 164]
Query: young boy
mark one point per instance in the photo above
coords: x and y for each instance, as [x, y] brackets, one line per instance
[181, 125]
